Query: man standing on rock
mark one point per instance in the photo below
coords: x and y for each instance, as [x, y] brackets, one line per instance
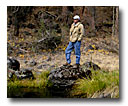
[76, 33]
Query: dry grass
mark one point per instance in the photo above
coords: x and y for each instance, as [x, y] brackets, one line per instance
[105, 61]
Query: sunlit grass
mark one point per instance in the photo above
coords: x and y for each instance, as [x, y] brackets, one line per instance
[99, 82]
[39, 81]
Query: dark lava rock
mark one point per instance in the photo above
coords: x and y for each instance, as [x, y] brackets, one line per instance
[91, 65]
[45, 66]
[13, 69]
[52, 66]
[13, 64]
[11, 73]
[32, 63]
[65, 76]
[22, 74]
[26, 73]
[39, 67]
[19, 52]
[25, 61]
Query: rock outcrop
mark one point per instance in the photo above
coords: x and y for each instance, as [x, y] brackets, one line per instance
[13, 69]
[13, 64]
[65, 76]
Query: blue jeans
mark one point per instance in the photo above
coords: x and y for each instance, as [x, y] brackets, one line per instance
[73, 45]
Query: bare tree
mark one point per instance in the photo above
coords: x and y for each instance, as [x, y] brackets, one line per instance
[18, 13]
[113, 21]
[117, 21]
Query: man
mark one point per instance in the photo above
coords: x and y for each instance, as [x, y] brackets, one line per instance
[76, 33]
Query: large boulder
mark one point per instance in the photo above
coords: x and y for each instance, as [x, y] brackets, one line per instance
[22, 74]
[13, 69]
[65, 76]
[13, 64]
[25, 73]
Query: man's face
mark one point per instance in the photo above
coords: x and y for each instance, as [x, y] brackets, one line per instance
[76, 20]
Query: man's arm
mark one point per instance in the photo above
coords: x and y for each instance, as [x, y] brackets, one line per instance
[81, 32]
[71, 30]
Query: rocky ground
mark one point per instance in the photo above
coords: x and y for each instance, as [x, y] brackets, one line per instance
[106, 59]
[46, 61]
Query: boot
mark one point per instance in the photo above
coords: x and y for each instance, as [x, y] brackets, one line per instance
[66, 64]
[76, 66]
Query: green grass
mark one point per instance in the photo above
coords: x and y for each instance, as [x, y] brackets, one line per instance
[84, 88]
[39, 81]
[100, 81]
